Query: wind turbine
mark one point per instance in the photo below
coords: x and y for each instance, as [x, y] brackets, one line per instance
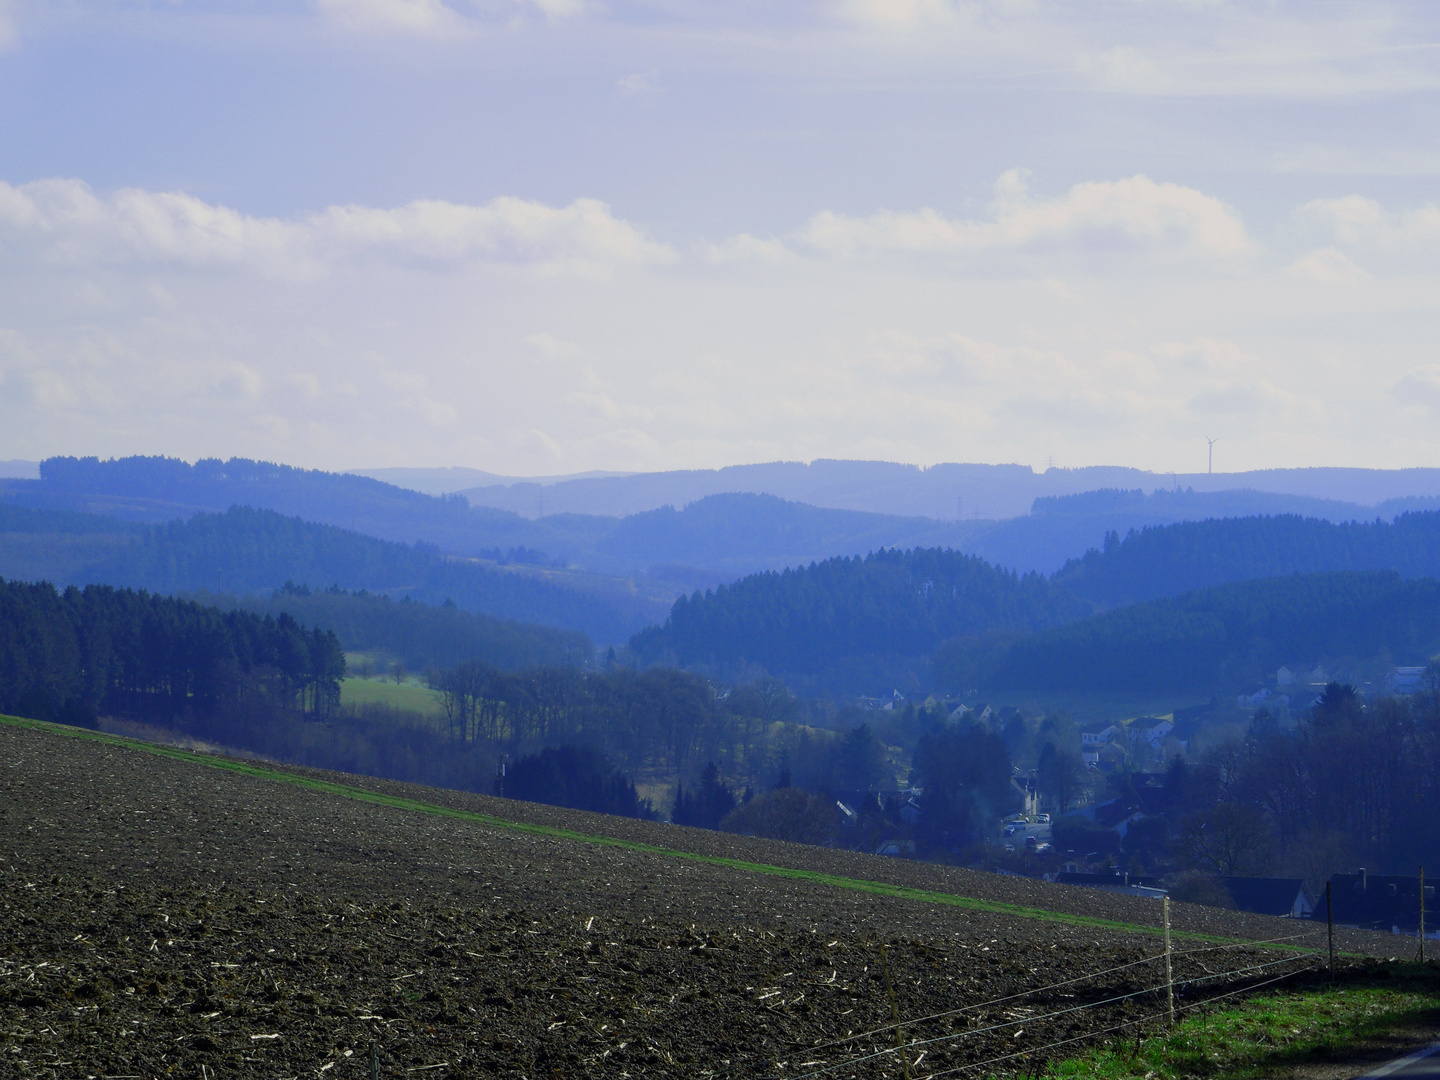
[1210, 465]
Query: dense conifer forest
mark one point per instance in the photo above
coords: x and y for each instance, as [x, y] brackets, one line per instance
[864, 625]
[816, 619]
[1165, 561]
[76, 654]
[1211, 640]
[419, 635]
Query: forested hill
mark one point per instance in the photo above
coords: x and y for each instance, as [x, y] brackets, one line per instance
[724, 535]
[846, 623]
[420, 635]
[256, 551]
[70, 656]
[847, 620]
[159, 489]
[1213, 639]
[1165, 561]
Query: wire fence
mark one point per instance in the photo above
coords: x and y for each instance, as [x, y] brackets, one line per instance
[1159, 957]
[917, 1044]
[1138, 1022]
[1304, 959]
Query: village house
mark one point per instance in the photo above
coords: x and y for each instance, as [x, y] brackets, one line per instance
[1405, 680]
[1259, 697]
[1157, 732]
[1285, 897]
[1378, 902]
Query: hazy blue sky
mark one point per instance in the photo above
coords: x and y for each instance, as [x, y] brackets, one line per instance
[560, 235]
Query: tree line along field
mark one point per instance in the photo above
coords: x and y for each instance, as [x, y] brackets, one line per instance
[167, 912]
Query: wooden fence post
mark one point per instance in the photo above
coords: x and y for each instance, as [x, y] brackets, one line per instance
[1169, 972]
[895, 1013]
[1330, 930]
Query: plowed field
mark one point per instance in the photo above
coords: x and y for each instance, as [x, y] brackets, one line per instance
[170, 914]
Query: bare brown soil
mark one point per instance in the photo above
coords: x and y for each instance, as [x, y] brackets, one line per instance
[165, 918]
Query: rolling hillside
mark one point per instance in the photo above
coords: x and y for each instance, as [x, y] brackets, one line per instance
[716, 538]
[245, 551]
[1159, 562]
[851, 625]
[1212, 640]
[697, 537]
[252, 919]
[945, 492]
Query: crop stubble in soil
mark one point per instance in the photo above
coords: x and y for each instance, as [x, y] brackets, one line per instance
[160, 915]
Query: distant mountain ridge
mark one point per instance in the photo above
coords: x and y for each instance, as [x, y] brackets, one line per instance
[446, 480]
[847, 620]
[1060, 528]
[16, 469]
[245, 551]
[676, 547]
[946, 492]
[709, 541]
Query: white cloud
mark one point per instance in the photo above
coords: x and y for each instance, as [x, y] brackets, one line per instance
[639, 83]
[1330, 266]
[1419, 386]
[560, 9]
[1135, 215]
[903, 14]
[552, 347]
[65, 222]
[439, 20]
[429, 18]
[9, 35]
[1354, 220]
[236, 380]
[746, 248]
[1124, 67]
[402, 341]
[582, 236]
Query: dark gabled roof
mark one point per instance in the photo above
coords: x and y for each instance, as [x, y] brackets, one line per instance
[1377, 901]
[1264, 895]
[1117, 810]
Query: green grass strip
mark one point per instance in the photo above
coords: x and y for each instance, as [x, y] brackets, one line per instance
[879, 888]
[1265, 1036]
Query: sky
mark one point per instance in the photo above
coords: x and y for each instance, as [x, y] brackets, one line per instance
[547, 236]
